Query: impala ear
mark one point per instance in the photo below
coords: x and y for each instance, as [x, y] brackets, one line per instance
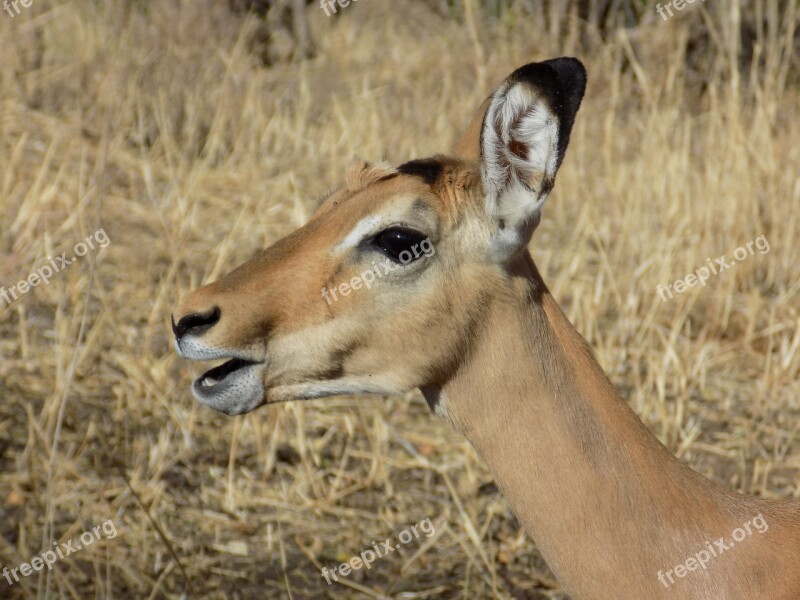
[524, 135]
[469, 146]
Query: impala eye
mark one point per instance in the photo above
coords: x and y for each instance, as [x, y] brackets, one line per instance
[399, 244]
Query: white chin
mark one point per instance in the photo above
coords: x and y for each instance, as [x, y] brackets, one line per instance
[238, 393]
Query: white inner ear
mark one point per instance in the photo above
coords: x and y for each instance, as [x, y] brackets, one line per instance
[520, 158]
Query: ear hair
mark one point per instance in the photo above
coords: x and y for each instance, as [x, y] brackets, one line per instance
[525, 133]
[562, 82]
[361, 174]
[519, 147]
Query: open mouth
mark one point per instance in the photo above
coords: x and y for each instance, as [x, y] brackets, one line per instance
[235, 387]
[223, 373]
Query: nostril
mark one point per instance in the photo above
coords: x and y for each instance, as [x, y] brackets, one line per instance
[195, 323]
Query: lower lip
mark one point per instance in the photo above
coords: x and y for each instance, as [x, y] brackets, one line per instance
[222, 386]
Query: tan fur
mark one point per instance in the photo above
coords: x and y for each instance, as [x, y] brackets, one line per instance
[607, 504]
[361, 174]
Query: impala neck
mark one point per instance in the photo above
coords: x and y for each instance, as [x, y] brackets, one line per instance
[606, 503]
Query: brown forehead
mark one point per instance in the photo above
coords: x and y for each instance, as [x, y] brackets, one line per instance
[443, 184]
[454, 183]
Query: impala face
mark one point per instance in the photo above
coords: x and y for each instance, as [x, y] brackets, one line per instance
[272, 319]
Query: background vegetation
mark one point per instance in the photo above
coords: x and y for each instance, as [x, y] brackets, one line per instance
[186, 132]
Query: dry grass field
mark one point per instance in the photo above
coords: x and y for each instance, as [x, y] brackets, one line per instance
[158, 123]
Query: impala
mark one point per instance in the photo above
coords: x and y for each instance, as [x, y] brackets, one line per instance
[614, 514]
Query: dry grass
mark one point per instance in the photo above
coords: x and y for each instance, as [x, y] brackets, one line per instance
[156, 123]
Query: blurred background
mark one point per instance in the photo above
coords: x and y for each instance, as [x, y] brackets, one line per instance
[196, 132]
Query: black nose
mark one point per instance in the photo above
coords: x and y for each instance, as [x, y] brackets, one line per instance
[195, 323]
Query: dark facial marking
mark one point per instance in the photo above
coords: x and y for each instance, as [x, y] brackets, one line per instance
[429, 169]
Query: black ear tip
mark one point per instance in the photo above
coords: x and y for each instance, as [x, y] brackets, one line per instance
[565, 77]
[570, 71]
[562, 83]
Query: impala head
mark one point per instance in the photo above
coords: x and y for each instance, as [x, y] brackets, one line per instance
[380, 291]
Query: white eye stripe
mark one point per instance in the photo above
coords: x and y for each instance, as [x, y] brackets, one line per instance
[365, 227]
